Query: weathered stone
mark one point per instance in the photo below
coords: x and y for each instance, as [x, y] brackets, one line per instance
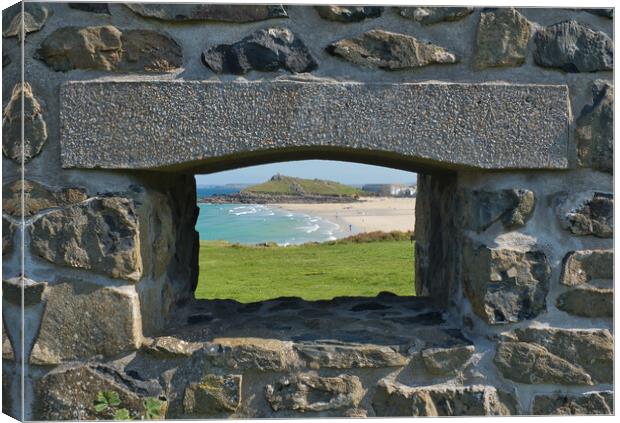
[109, 49]
[100, 235]
[533, 364]
[593, 267]
[255, 353]
[309, 392]
[8, 378]
[213, 396]
[137, 135]
[170, 347]
[588, 354]
[37, 197]
[34, 17]
[7, 347]
[345, 355]
[6, 59]
[12, 291]
[588, 213]
[573, 47]
[513, 207]
[501, 39]
[266, 50]
[595, 129]
[69, 391]
[446, 361]
[601, 402]
[587, 302]
[208, 12]
[503, 285]
[82, 320]
[35, 129]
[8, 232]
[607, 12]
[348, 13]
[91, 7]
[390, 51]
[393, 399]
[432, 15]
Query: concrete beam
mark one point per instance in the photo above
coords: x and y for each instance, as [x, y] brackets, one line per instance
[198, 126]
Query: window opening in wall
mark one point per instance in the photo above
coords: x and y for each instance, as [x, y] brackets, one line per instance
[312, 229]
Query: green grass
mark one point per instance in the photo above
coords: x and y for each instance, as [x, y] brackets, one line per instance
[280, 184]
[309, 271]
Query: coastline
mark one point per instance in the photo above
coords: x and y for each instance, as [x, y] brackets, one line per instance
[367, 215]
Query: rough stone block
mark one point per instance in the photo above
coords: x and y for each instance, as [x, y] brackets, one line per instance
[33, 18]
[308, 392]
[446, 361]
[551, 355]
[601, 402]
[512, 126]
[82, 320]
[208, 12]
[502, 39]
[7, 347]
[433, 15]
[513, 207]
[265, 50]
[68, 393]
[12, 291]
[343, 355]
[35, 128]
[110, 49]
[504, 285]
[100, 235]
[587, 302]
[592, 267]
[37, 197]
[170, 347]
[254, 353]
[348, 13]
[595, 129]
[213, 396]
[573, 47]
[394, 399]
[390, 51]
[587, 213]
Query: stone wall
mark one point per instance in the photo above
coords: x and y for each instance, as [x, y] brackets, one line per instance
[514, 248]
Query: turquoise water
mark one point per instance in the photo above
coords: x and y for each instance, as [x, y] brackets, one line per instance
[256, 223]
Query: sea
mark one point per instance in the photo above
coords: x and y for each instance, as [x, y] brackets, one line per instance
[259, 223]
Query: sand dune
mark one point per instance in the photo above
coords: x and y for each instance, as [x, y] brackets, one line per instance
[371, 214]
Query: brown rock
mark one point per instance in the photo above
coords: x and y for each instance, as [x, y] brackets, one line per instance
[601, 402]
[33, 18]
[309, 392]
[213, 396]
[502, 39]
[394, 399]
[255, 353]
[35, 128]
[170, 347]
[432, 15]
[447, 361]
[107, 48]
[390, 51]
[100, 235]
[588, 213]
[68, 393]
[533, 364]
[593, 267]
[32, 291]
[587, 302]
[345, 355]
[513, 207]
[7, 346]
[595, 129]
[37, 197]
[505, 285]
[82, 320]
[208, 12]
[348, 13]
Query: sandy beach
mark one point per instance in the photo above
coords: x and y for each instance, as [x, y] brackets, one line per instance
[371, 214]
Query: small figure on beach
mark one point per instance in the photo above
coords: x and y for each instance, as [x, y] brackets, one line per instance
[350, 228]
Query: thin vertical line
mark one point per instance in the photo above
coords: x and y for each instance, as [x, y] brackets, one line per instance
[23, 217]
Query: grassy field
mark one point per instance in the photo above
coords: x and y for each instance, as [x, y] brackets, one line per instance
[310, 271]
[281, 184]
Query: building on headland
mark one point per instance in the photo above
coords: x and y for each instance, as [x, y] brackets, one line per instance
[391, 190]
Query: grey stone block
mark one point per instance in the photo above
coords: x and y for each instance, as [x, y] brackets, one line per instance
[198, 126]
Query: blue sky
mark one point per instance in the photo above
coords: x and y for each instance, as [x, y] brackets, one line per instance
[345, 172]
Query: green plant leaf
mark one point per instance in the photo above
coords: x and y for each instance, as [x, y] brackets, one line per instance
[152, 406]
[113, 398]
[122, 414]
[100, 406]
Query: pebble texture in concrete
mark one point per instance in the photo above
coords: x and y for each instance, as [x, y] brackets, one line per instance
[158, 124]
